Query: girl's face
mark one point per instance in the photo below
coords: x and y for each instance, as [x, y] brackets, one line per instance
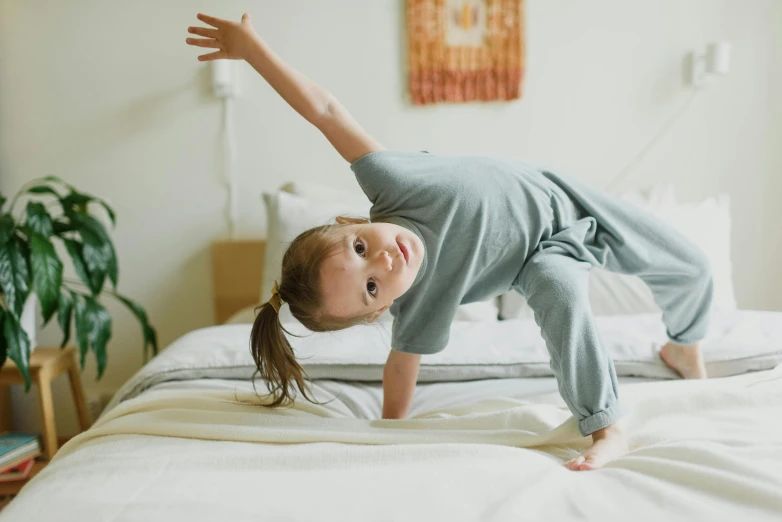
[377, 264]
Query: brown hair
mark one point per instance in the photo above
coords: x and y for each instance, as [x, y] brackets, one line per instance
[300, 288]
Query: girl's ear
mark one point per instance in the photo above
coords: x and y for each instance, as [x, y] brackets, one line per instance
[345, 220]
[377, 314]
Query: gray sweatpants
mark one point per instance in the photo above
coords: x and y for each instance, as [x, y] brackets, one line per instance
[595, 229]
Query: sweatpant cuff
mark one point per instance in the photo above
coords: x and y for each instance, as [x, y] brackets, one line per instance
[601, 419]
[686, 342]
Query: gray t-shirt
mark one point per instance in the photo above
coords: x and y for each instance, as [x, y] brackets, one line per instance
[479, 219]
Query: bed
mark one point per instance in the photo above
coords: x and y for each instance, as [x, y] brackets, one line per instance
[188, 439]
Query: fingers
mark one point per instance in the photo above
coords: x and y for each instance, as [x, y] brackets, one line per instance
[203, 31]
[211, 20]
[212, 56]
[203, 42]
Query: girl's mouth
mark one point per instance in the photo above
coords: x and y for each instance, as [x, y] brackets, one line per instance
[404, 251]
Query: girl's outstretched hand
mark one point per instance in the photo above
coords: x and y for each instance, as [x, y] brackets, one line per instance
[232, 39]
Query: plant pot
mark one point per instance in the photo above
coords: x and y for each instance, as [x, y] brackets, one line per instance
[31, 318]
[31, 314]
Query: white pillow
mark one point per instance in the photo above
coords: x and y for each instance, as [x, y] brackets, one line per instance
[355, 202]
[297, 207]
[288, 215]
[706, 223]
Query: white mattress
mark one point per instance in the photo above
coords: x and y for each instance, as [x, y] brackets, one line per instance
[181, 442]
[700, 450]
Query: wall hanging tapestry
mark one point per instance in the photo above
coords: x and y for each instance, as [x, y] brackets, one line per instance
[465, 50]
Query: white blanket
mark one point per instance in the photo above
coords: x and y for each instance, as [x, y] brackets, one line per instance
[700, 450]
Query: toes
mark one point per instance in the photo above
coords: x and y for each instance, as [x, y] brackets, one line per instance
[589, 464]
[573, 464]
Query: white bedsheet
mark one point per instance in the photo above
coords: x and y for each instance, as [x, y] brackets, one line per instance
[700, 450]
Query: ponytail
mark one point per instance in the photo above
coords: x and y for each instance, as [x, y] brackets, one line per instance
[300, 288]
[274, 358]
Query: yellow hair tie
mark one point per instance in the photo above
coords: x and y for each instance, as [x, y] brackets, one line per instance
[275, 300]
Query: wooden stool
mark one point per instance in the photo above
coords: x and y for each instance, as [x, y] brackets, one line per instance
[45, 365]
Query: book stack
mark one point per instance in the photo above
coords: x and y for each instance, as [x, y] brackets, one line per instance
[17, 455]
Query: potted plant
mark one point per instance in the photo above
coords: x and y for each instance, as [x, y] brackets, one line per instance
[29, 263]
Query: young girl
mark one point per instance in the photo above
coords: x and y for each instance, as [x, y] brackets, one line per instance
[451, 230]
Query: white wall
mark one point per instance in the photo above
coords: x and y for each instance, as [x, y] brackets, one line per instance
[107, 95]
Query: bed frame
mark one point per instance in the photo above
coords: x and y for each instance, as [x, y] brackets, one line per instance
[237, 269]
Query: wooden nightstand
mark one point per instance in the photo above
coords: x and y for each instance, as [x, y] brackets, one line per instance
[45, 365]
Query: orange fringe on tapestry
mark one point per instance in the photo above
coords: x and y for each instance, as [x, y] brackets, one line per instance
[465, 50]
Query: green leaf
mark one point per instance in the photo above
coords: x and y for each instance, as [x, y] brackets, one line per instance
[64, 311]
[74, 201]
[61, 227]
[18, 347]
[95, 256]
[25, 230]
[77, 201]
[94, 282]
[55, 179]
[44, 189]
[14, 275]
[98, 252]
[47, 274]
[109, 211]
[6, 228]
[93, 327]
[24, 250]
[79, 316]
[2, 201]
[38, 219]
[3, 343]
[100, 331]
[150, 336]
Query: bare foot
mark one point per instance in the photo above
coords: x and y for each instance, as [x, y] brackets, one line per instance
[608, 444]
[686, 360]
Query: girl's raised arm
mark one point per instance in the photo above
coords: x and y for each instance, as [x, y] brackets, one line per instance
[239, 41]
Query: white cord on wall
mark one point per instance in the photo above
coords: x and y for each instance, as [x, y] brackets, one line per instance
[703, 63]
[224, 84]
[660, 134]
[231, 179]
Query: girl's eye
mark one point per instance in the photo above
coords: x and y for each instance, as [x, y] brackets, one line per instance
[361, 250]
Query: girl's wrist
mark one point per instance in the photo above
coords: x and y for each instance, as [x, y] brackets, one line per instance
[255, 48]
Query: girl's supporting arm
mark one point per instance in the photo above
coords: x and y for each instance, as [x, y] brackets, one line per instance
[399, 378]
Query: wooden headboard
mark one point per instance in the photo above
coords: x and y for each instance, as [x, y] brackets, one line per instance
[237, 269]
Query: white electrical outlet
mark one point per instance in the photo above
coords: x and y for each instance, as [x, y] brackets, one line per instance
[224, 78]
[708, 61]
[718, 58]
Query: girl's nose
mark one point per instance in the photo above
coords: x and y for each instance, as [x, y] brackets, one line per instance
[384, 260]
